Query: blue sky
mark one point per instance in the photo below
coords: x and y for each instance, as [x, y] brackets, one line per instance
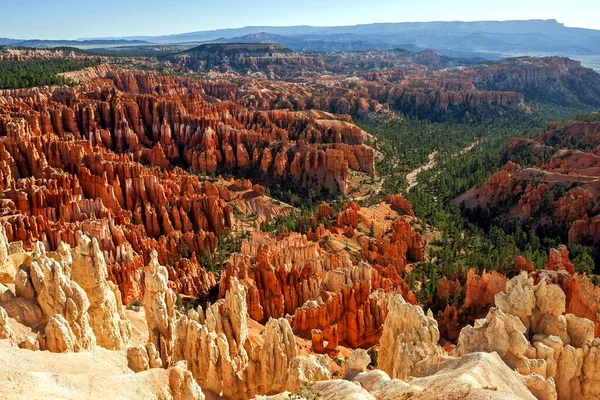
[70, 19]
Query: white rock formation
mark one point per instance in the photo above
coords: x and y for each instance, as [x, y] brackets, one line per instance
[477, 376]
[56, 294]
[182, 384]
[557, 354]
[409, 342]
[225, 361]
[59, 337]
[357, 362]
[159, 304]
[88, 269]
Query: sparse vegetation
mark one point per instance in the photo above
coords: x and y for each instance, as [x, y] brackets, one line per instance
[135, 305]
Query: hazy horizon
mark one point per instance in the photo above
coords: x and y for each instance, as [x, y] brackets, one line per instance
[75, 19]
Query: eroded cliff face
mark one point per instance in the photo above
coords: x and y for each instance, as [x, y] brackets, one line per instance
[563, 80]
[273, 60]
[107, 159]
[420, 92]
[331, 298]
[541, 347]
[558, 187]
[52, 301]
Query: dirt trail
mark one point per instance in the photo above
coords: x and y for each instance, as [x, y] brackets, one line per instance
[411, 177]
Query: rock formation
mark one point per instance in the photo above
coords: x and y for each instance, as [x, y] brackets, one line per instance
[5, 329]
[52, 295]
[332, 299]
[107, 320]
[268, 58]
[224, 360]
[555, 352]
[159, 304]
[64, 304]
[5, 275]
[107, 159]
[409, 343]
[560, 194]
[555, 79]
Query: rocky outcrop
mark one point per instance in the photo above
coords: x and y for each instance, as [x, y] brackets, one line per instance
[6, 331]
[52, 296]
[120, 158]
[224, 359]
[556, 79]
[64, 304]
[530, 331]
[409, 343]
[559, 195]
[182, 384]
[107, 319]
[159, 304]
[332, 300]
[7, 270]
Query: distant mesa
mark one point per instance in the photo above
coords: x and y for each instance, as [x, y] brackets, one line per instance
[242, 57]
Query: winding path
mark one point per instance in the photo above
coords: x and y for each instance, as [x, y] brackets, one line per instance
[412, 177]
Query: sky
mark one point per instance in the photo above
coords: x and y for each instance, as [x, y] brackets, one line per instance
[72, 19]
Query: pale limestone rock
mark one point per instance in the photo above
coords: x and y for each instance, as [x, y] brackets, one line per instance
[306, 369]
[56, 295]
[357, 362]
[159, 304]
[59, 336]
[409, 343]
[110, 326]
[225, 361]
[215, 351]
[6, 331]
[137, 359]
[499, 332]
[556, 353]
[325, 390]
[182, 384]
[519, 299]
[542, 388]
[6, 268]
[580, 330]
[381, 386]
[64, 256]
[30, 343]
[278, 349]
[142, 358]
[154, 359]
[474, 376]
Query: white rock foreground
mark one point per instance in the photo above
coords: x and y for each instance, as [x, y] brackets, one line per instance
[64, 334]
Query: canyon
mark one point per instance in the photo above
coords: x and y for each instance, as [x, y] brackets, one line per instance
[216, 223]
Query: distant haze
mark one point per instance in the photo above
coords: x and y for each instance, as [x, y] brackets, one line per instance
[72, 19]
